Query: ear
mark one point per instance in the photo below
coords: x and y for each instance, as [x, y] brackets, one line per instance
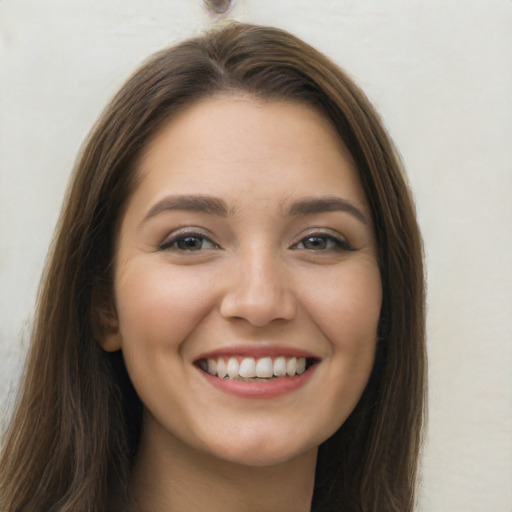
[104, 322]
[110, 338]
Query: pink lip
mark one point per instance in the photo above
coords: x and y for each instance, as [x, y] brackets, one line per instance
[259, 350]
[269, 389]
[255, 389]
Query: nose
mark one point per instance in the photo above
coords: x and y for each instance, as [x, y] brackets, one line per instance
[260, 291]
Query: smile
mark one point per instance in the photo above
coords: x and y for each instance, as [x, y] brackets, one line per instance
[255, 369]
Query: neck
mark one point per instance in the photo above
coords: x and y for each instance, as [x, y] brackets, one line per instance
[177, 477]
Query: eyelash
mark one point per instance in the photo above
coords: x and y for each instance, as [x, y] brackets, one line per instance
[331, 242]
[181, 236]
[339, 244]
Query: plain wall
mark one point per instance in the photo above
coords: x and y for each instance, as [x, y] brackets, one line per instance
[440, 73]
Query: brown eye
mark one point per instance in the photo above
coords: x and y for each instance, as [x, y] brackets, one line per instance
[322, 243]
[316, 243]
[183, 242]
[190, 243]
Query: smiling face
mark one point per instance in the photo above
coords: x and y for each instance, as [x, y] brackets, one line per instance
[247, 288]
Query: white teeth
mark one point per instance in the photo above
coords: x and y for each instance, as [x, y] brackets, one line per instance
[247, 368]
[250, 367]
[232, 368]
[212, 366]
[280, 367]
[221, 368]
[264, 368]
[291, 366]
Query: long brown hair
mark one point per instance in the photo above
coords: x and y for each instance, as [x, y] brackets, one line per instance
[77, 423]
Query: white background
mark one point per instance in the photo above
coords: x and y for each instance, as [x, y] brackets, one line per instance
[440, 73]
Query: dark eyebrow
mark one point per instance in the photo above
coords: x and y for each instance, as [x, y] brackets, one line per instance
[313, 205]
[195, 203]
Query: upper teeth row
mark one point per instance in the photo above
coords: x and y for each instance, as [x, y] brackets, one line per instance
[248, 367]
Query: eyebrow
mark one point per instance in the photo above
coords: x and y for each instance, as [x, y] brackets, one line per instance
[308, 206]
[216, 206]
[194, 203]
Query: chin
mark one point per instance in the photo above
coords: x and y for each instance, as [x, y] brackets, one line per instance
[260, 447]
[263, 458]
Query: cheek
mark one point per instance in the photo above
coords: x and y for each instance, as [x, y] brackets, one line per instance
[158, 309]
[157, 306]
[347, 311]
[347, 307]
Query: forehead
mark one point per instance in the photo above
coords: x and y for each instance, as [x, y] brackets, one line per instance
[239, 146]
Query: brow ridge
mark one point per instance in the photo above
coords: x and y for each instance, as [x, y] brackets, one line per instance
[216, 206]
[192, 202]
[312, 205]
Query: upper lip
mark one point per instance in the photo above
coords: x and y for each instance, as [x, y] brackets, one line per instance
[257, 351]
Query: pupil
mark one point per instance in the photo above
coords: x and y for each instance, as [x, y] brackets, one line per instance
[315, 242]
[190, 242]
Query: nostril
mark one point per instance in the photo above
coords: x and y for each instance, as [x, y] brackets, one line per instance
[258, 290]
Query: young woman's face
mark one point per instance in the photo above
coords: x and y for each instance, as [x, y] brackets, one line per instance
[247, 288]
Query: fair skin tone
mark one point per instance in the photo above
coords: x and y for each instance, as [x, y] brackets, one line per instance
[247, 244]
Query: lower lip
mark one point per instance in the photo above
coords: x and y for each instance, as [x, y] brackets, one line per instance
[251, 389]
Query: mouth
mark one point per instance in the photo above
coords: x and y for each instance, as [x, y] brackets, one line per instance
[256, 369]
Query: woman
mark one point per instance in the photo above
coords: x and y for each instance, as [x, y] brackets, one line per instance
[232, 315]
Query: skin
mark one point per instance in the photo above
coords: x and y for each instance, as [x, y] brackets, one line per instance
[258, 277]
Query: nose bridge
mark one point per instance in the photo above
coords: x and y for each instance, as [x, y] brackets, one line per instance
[260, 290]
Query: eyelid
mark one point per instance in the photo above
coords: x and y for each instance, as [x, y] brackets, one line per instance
[327, 233]
[185, 232]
